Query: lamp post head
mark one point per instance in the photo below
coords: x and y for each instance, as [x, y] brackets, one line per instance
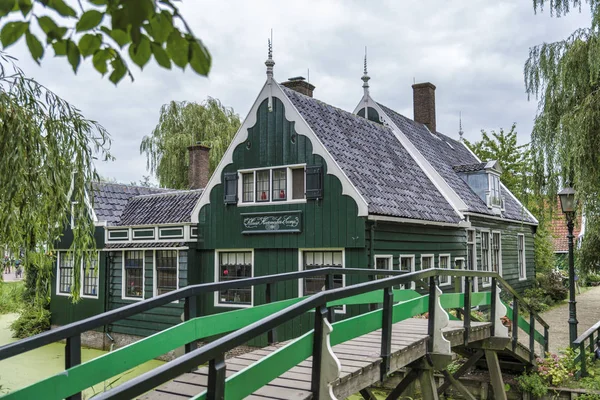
[567, 201]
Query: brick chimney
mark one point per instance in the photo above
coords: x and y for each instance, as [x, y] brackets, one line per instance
[198, 172]
[424, 104]
[300, 85]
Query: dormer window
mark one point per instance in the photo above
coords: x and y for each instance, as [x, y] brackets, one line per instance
[484, 180]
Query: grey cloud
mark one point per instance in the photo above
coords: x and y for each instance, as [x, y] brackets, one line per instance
[472, 51]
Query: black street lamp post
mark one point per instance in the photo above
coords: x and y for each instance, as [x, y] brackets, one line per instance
[567, 203]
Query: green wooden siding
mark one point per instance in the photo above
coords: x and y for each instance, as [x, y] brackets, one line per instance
[63, 309]
[509, 232]
[403, 239]
[151, 321]
[330, 222]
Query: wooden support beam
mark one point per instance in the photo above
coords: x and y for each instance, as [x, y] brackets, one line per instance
[495, 374]
[462, 370]
[367, 395]
[492, 343]
[428, 387]
[403, 385]
[457, 384]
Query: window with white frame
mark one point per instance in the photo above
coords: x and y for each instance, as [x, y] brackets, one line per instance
[65, 271]
[166, 271]
[273, 185]
[90, 278]
[445, 264]
[233, 265]
[496, 252]
[495, 197]
[313, 259]
[521, 255]
[485, 256]
[471, 250]
[133, 274]
[426, 261]
[407, 263]
[383, 263]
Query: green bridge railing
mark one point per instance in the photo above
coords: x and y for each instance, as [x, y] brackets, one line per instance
[245, 324]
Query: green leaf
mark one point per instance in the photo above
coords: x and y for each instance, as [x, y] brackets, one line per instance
[12, 32]
[6, 6]
[73, 55]
[119, 70]
[89, 20]
[62, 8]
[60, 48]
[200, 59]
[160, 27]
[52, 31]
[89, 43]
[35, 46]
[99, 60]
[119, 36]
[177, 48]
[98, 2]
[140, 53]
[25, 6]
[161, 56]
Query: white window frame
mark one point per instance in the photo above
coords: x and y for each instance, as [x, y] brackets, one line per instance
[89, 296]
[217, 303]
[155, 271]
[143, 238]
[388, 257]
[499, 250]
[432, 256]
[110, 239]
[522, 258]
[58, 292]
[489, 257]
[123, 283]
[412, 267]
[289, 186]
[474, 243]
[167, 228]
[301, 265]
[449, 257]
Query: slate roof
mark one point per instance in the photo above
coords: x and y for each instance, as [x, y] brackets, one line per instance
[110, 199]
[160, 208]
[443, 153]
[375, 162]
[469, 167]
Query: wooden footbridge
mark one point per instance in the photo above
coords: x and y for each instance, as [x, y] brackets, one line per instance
[333, 360]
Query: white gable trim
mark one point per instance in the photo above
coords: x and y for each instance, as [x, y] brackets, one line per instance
[439, 182]
[302, 128]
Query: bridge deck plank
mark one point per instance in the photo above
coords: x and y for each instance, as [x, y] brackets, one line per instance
[359, 358]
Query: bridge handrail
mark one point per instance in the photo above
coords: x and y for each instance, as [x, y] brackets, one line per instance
[190, 292]
[580, 343]
[214, 352]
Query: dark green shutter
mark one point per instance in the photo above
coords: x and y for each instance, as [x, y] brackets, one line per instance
[314, 182]
[230, 190]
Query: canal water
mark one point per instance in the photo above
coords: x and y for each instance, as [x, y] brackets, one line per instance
[25, 369]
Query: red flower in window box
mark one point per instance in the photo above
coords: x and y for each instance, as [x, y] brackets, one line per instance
[225, 272]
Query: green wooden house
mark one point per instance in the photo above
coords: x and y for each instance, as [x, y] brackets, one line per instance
[307, 185]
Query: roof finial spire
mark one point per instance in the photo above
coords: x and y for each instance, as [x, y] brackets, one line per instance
[460, 130]
[365, 78]
[270, 63]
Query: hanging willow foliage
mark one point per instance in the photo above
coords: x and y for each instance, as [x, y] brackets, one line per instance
[47, 149]
[565, 141]
[182, 124]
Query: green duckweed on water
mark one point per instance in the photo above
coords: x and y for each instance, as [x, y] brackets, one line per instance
[27, 368]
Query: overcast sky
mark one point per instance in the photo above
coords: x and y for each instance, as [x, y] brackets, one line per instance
[473, 51]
